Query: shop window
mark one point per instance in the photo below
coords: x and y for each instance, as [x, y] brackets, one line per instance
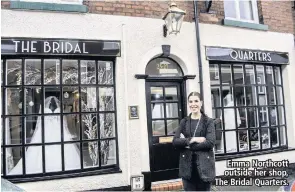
[242, 10]
[76, 2]
[59, 116]
[248, 101]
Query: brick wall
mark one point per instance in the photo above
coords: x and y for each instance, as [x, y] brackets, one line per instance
[151, 9]
[278, 15]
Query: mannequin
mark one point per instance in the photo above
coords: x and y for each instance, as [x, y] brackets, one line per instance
[229, 123]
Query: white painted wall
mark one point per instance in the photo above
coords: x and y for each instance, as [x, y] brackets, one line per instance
[141, 41]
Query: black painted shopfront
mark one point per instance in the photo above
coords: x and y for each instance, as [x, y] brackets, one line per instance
[58, 108]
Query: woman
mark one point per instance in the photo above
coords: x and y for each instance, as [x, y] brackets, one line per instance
[195, 138]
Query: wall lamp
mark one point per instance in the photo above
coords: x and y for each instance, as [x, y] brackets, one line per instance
[173, 20]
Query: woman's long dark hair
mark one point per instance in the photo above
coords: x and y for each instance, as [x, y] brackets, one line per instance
[195, 93]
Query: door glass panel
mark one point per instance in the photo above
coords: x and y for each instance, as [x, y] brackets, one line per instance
[172, 125]
[156, 93]
[158, 127]
[171, 110]
[157, 110]
[171, 93]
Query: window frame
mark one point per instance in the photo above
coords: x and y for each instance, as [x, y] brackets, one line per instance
[238, 15]
[77, 2]
[83, 170]
[278, 88]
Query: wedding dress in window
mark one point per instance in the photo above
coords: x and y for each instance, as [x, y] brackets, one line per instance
[229, 123]
[53, 155]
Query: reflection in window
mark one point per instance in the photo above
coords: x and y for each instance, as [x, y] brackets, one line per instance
[249, 109]
[40, 110]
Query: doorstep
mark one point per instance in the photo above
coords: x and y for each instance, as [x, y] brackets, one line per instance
[167, 185]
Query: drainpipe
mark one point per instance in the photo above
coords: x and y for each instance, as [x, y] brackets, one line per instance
[196, 16]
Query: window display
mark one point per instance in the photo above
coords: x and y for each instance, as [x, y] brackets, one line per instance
[248, 101]
[56, 113]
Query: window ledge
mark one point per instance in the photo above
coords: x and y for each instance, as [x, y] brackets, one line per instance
[48, 6]
[15, 179]
[256, 153]
[243, 24]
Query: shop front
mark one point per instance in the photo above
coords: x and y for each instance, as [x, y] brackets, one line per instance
[249, 93]
[58, 107]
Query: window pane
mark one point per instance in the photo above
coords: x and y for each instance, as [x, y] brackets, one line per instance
[280, 95]
[34, 163]
[271, 95]
[90, 154]
[265, 138]
[52, 129]
[13, 130]
[72, 125]
[106, 99]
[171, 110]
[53, 164]
[230, 9]
[240, 96]
[238, 74]
[278, 75]
[88, 98]
[216, 114]
[108, 152]
[158, 127]
[262, 96]
[157, 110]
[33, 100]
[2, 76]
[171, 93]
[214, 74]
[70, 72]
[13, 72]
[250, 75]
[52, 100]
[263, 116]
[51, 71]
[163, 67]
[33, 125]
[260, 74]
[156, 93]
[246, 11]
[251, 99]
[219, 142]
[71, 99]
[89, 125]
[244, 140]
[107, 125]
[71, 156]
[252, 115]
[274, 136]
[283, 135]
[172, 126]
[242, 121]
[88, 72]
[33, 71]
[229, 120]
[269, 76]
[281, 115]
[14, 101]
[227, 96]
[255, 139]
[215, 97]
[273, 116]
[231, 141]
[105, 72]
[226, 74]
[14, 164]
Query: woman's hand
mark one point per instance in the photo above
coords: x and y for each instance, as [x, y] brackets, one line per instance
[197, 139]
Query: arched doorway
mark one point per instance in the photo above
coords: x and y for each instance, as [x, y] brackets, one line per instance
[165, 97]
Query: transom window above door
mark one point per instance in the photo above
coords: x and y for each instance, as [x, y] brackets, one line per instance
[163, 67]
[242, 10]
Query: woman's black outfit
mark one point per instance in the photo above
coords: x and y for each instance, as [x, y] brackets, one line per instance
[197, 162]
